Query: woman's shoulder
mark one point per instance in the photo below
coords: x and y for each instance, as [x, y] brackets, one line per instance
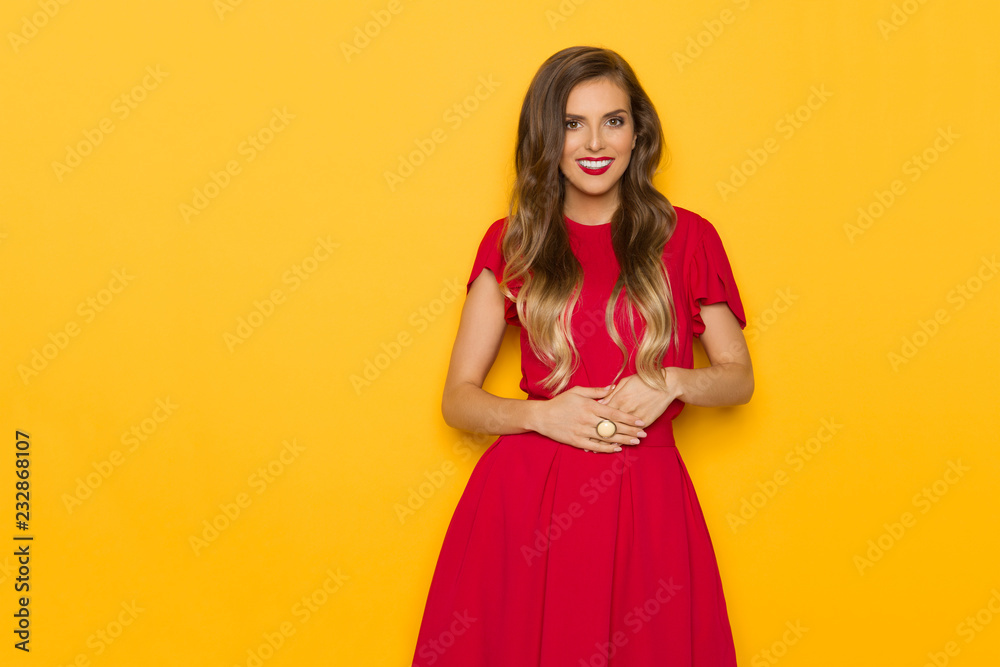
[490, 251]
[690, 228]
[695, 241]
[689, 222]
[494, 230]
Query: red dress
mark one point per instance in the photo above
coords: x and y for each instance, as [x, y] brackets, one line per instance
[557, 557]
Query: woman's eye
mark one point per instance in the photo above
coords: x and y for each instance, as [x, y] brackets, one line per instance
[616, 118]
[570, 122]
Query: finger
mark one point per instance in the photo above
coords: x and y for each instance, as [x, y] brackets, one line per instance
[610, 395]
[593, 392]
[629, 439]
[625, 418]
[625, 439]
[602, 446]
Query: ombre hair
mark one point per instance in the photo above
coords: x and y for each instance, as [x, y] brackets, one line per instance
[536, 241]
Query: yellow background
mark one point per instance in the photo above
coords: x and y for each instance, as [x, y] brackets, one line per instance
[828, 308]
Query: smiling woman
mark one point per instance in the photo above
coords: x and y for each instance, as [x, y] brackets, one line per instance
[555, 557]
[598, 144]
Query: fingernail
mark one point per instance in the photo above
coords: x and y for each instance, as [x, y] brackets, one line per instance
[617, 449]
[635, 441]
[639, 422]
[641, 434]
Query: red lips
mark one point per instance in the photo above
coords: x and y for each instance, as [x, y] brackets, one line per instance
[595, 172]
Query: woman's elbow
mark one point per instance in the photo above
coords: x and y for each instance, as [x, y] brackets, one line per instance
[446, 408]
[748, 386]
[450, 401]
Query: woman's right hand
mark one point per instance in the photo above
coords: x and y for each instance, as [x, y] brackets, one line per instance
[571, 417]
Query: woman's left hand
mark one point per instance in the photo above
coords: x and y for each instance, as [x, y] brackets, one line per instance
[636, 397]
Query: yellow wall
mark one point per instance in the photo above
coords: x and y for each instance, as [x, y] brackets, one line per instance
[216, 216]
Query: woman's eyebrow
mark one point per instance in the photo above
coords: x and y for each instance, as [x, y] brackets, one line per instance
[610, 113]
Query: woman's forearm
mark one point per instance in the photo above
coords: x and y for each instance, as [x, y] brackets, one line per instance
[471, 408]
[721, 384]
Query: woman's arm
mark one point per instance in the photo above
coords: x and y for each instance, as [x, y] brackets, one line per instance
[729, 380]
[569, 417]
[465, 404]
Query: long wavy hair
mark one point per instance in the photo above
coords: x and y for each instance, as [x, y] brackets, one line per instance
[536, 240]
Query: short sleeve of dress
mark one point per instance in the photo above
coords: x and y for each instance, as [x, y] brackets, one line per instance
[710, 277]
[488, 256]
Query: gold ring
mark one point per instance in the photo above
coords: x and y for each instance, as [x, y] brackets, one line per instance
[606, 428]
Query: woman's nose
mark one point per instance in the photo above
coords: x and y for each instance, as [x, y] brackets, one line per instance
[596, 141]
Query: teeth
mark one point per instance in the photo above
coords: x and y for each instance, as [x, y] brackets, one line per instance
[594, 164]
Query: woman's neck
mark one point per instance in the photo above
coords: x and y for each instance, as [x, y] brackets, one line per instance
[588, 210]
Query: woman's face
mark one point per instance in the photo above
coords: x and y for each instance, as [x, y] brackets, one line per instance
[600, 136]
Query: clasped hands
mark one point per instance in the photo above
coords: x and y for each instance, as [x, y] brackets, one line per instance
[571, 417]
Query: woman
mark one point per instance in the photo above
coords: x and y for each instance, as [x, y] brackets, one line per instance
[555, 557]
